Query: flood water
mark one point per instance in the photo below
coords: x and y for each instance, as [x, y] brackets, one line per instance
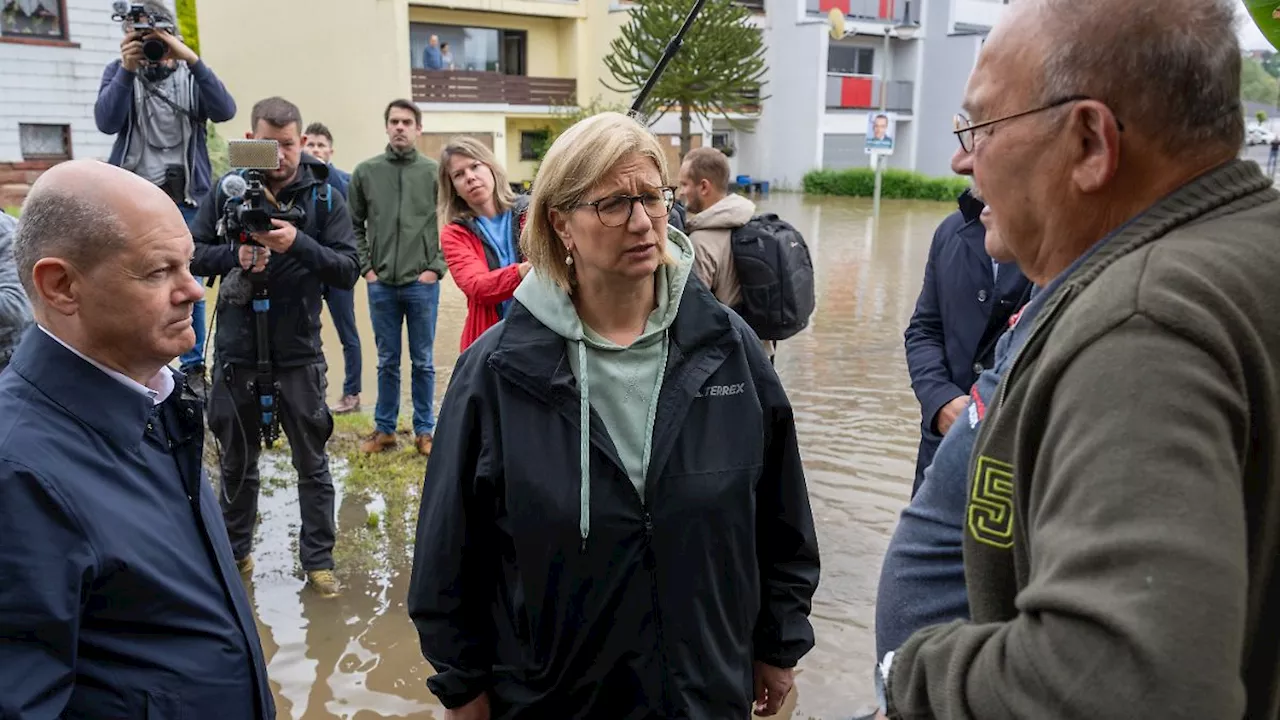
[357, 656]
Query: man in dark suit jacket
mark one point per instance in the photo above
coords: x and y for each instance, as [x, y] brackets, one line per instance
[964, 306]
[120, 597]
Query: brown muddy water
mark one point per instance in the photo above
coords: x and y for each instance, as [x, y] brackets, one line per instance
[357, 656]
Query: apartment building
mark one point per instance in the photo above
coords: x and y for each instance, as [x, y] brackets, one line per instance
[52, 54]
[821, 91]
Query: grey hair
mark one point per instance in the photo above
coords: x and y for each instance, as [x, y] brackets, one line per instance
[58, 224]
[1170, 70]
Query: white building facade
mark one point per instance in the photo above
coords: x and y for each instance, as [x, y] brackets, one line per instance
[52, 55]
[821, 93]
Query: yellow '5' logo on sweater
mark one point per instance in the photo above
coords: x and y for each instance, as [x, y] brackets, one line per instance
[991, 504]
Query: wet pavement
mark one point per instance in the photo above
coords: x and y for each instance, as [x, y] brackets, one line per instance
[357, 656]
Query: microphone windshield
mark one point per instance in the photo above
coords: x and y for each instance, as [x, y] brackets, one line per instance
[234, 186]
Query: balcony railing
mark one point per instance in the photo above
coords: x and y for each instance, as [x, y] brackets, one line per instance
[457, 86]
[895, 11]
[862, 92]
[752, 5]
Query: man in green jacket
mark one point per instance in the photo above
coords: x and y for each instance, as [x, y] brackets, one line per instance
[1122, 533]
[393, 205]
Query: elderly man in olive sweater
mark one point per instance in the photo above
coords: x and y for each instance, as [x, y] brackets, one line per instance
[393, 205]
[1121, 551]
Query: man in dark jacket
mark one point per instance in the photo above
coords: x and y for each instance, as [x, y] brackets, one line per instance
[158, 112]
[119, 597]
[297, 262]
[964, 305]
[341, 301]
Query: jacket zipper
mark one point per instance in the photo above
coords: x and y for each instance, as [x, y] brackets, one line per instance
[395, 253]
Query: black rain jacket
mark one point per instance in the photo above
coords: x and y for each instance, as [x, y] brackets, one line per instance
[662, 610]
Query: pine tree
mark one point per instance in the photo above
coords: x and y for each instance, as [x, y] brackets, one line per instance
[718, 71]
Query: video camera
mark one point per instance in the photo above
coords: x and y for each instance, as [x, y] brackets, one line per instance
[248, 209]
[153, 48]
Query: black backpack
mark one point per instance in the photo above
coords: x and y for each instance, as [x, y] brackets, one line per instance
[776, 275]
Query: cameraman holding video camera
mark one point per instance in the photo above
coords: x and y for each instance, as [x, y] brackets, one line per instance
[291, 264]
[156, 99]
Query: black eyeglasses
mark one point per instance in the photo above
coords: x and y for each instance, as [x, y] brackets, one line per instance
[615, 210]
[964, 129]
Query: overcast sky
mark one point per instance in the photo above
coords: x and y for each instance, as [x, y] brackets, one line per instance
[1251, 37]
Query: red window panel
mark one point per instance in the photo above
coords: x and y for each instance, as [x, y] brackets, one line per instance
[886, 10]
[826, 5]
[855, 92]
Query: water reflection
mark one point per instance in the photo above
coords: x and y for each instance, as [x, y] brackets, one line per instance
[358, 656]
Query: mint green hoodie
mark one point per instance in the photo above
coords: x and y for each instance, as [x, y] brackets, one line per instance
[621, 383]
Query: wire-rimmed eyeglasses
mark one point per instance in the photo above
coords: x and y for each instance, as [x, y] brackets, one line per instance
[615, 210]
[964, 129]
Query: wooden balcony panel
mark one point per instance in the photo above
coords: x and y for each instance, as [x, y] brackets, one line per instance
[446, 86]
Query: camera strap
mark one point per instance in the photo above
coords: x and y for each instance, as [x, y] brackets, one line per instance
[155, 92]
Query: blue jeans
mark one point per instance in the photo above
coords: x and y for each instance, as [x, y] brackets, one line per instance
[416, 304]
[195, 357]
[342, 308]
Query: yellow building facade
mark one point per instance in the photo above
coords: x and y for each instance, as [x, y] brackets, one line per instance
[514, 65]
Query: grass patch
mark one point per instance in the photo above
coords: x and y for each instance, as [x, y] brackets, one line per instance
[13, 211]
[895, 184]
[377, 521]
[394, 477]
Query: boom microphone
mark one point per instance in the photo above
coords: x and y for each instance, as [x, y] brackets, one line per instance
[667, 54]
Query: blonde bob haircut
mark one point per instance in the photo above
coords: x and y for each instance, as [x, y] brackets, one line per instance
[579, 160]
[451, 206]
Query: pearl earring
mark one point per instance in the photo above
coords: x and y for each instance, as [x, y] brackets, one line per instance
[568, 259]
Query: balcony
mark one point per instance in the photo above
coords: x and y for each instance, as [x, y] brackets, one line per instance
[898, 12]
[862, 92]
[756, 6]
[491, 88]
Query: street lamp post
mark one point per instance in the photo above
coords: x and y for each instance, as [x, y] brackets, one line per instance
[906, 29]
[884, 101]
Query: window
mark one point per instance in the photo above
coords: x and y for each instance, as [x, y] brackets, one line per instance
[45, 142]
[851, 60]
[719, 140]
[469, 48]
[532, 143]
[34, 19]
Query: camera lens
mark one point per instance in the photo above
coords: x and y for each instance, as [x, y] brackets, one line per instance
[154, 49]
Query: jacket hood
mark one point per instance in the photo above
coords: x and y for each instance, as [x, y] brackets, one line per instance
[311, 171]
[553, 308]
[733, 211]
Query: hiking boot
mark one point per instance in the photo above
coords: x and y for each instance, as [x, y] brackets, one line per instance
[424, 445]
[348, 404]
[378, 442]
[324, 582]
[245, 565]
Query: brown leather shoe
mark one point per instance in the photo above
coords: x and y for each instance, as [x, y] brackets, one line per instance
[378, 442]
[424, 445]
[348, 404]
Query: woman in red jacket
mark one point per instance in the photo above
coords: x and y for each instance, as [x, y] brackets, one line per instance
[481, 221]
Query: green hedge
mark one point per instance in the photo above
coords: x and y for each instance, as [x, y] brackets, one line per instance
[896, 184]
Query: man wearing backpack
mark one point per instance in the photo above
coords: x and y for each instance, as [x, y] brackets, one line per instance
[297, 261]
[714, 213]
